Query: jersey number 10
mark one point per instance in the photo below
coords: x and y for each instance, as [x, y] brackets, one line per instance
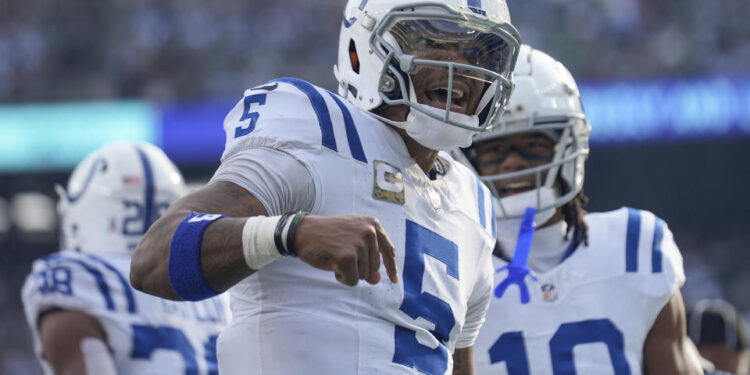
[510, 348]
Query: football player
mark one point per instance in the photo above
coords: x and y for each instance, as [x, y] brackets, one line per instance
[603, 292]
[720, 333]
[84, 316]
[316, 191]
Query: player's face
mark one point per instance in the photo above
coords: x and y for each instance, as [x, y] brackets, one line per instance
[456, 43]
[515, 153]
[431, 84]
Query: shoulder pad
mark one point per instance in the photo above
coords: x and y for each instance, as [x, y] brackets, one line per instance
[288, 113]
[646, 240]
[76, 281]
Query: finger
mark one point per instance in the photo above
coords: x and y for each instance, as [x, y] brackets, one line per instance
[374, 278]
[388, 252]
[363, 253]
[347, 271]
[374, 255]
[373, 273]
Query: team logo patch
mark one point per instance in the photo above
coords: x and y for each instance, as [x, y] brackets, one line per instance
[389, 183]
[549, 292]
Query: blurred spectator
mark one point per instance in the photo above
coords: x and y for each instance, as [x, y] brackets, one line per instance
[167, 49]
[720, 334]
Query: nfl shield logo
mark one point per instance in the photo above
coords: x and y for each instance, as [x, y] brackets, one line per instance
[549, 293]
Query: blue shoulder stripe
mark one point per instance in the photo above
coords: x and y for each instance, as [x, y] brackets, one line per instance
[320, 107]
[100, 281]
[632, 237]
[480, 202]
[125, 283]
[355, 145]
[656, 255]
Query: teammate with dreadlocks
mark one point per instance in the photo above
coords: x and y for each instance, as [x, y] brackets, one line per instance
[583, 293]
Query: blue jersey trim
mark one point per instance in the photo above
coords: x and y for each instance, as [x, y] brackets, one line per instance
[480, 199]
[320, 108]
[631, 241]
[569, 251]
[493, 218]
[656, 254]
[149, 193]
[355, 145]
[100, 281]
[127, 289]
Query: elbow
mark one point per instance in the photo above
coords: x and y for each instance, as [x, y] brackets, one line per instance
[148, 268]
[141, 270]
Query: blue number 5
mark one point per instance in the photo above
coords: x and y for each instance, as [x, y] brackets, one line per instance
[259, 99]
[421, 241]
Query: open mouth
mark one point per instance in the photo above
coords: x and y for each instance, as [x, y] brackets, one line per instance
[438, 98]
[514, 188]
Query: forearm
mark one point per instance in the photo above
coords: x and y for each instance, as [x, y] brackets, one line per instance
[463, 361]
[666, 349]
[222, 261]
[221, 256]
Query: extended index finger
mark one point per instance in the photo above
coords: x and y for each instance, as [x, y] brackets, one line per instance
[388, 252]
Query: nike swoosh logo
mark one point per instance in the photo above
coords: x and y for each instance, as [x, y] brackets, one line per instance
[270, 87]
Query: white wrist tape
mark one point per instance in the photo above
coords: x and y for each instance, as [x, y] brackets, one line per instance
[258, 244]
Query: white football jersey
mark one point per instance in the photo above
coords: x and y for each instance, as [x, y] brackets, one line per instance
[591, 313]
[291, 318]
[146, 334]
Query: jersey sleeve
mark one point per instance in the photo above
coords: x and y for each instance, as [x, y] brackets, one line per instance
[671, 256]
[277, 179]
[479, 302]
[71, 282]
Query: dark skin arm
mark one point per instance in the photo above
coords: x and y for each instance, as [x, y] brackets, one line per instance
[463, 361]
[667, 349]
[61, 333]
[350, 246]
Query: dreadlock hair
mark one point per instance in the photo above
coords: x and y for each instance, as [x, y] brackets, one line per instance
[573, 214]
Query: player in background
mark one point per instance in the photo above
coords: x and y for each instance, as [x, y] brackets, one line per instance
[720, 333]
[603, 292]
[84, 316]
[319, 190]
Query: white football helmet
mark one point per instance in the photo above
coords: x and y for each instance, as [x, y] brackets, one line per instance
[114, 195]
[470, 44]
[546, 100]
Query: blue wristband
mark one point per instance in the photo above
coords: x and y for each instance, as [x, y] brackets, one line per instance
[185, 273]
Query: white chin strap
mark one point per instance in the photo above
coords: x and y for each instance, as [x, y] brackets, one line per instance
[434, 133]
[512, 208]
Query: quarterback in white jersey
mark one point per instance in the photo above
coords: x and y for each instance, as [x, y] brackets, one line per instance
[83, 313]
[586, 293]
[339, 183]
